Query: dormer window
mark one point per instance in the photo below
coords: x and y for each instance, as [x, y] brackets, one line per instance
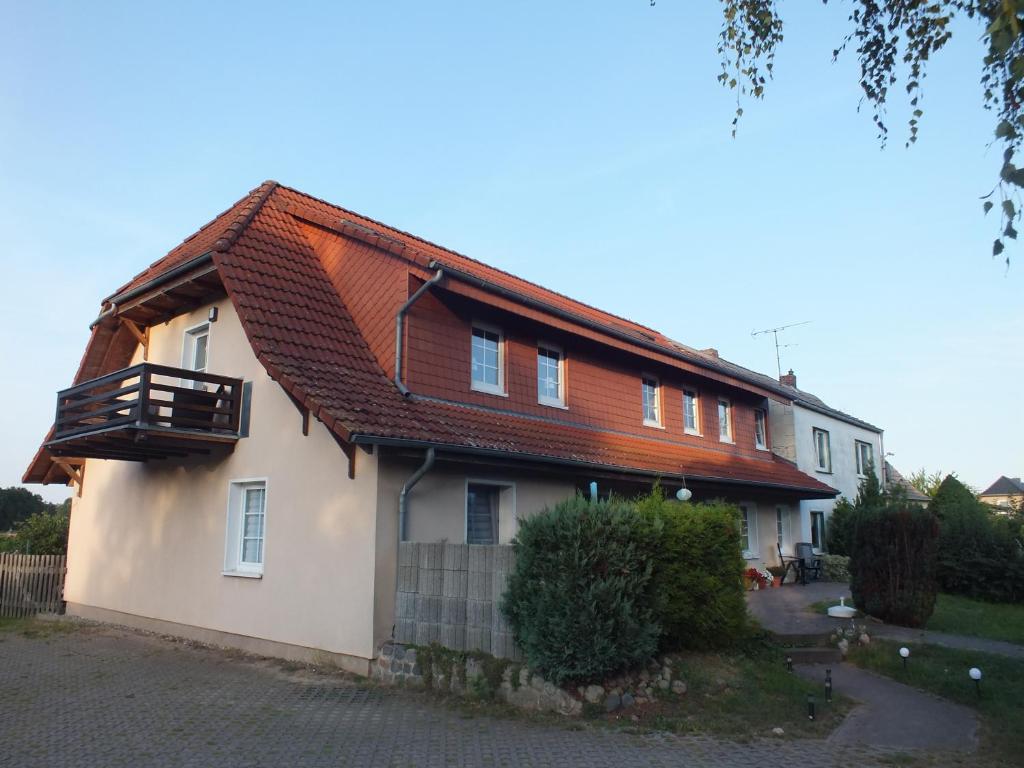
[550, 376]
[760, 429]
[488, 360]
[691, 412]
[651, 393]
[724, 420]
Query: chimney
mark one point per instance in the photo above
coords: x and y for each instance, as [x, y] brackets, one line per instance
[789, 379]
[710, 351]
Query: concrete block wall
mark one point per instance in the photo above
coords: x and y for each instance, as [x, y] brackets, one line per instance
[451, 594]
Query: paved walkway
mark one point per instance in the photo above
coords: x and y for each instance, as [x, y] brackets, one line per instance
[895, 715]
[105, 697]
[785, 611]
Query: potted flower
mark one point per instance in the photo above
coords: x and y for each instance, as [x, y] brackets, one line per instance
[755, 578]
[778, 575]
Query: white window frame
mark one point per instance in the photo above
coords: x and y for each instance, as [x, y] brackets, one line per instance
[761, 440]
[827, 467]
[749, 510]
[817, 514]
[558, 402]
[483, 386]
[695, 429]
[234, 528]
[862, 470]
[727, 436]
[658, 400]
[188, 352]
[502, 486]
[781, 520]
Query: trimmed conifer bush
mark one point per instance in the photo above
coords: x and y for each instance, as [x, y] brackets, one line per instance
[698, 568]
[580, 599]
[893, 563]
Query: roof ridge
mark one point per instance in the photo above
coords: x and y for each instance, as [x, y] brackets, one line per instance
[246, 213]
[506, 273]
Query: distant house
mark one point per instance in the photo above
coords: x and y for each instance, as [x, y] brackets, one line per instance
[1004, 493]
[262, 415]
[895, 481]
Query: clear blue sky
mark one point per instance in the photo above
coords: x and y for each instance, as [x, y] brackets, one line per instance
[585, 149]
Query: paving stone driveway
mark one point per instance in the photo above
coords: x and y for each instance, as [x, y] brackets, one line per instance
[101, 696]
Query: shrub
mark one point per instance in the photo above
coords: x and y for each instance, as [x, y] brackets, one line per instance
[840, 527]
[697, 572]
[44, 533]
[978, 554]
[835, 568]
[580, 600]
[893, 563]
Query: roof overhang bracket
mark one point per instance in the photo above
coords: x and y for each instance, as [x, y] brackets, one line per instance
[75, 471]
[141, 335]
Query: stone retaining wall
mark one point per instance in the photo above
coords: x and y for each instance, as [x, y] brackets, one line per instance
[450, 594]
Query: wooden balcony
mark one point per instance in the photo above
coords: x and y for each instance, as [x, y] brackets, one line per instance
[148, 412]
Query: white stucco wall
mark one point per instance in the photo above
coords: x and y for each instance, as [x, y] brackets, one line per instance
[149, 539]
[792, 429]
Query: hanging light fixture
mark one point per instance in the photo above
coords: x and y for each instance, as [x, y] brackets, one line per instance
[684, 493]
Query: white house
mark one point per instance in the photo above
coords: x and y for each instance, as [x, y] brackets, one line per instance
[835, 447]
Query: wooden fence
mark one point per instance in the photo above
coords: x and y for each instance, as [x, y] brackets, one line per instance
[451, 594]
[31, 584]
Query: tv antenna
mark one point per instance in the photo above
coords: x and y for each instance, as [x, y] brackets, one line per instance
[775, 333]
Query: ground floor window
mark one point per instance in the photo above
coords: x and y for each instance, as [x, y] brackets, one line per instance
[244, 539]
[780, 524]
[482, 502]
[748, 530]
[818, 530]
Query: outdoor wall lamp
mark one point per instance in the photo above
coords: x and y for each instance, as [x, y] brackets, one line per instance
[904, 654]
[975, 674]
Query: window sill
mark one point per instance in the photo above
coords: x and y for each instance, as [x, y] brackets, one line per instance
[653, 424]
[692, 433]
[483, 391]
[750, 556]
[243, 574]
[553, 404]
[823, 471]
[727, 440]
[761, 447]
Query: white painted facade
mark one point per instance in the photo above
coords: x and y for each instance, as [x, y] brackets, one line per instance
[793, 438]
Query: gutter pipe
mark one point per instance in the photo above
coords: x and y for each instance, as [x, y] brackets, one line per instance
[403, 496]
[108, 312]
[400, 329]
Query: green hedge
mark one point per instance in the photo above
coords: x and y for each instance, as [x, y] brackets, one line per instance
[697, 573]
[893, 563]
[580, 600]
[835, 568]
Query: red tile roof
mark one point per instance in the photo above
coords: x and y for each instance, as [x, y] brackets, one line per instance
[302, 333]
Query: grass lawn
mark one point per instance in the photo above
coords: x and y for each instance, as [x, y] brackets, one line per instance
[963, 616]
[737, 696]
[943, 671]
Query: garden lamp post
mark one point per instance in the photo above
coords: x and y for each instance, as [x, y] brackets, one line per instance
[810, 706]
[828, 685]
[975, 674]
[789, 663]
[904, 654]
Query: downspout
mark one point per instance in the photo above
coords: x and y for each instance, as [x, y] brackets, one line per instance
[399, 337]
[403, 496]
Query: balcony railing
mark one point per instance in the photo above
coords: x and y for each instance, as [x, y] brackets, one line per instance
[147, 411]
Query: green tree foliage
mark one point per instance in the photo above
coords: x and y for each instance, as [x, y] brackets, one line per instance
[697, 572]
[893, 39]
[17, 504]
[580, 600]
[893, 563]
[842, 522]
[44, 533]
[979, 552]
[926, 482]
